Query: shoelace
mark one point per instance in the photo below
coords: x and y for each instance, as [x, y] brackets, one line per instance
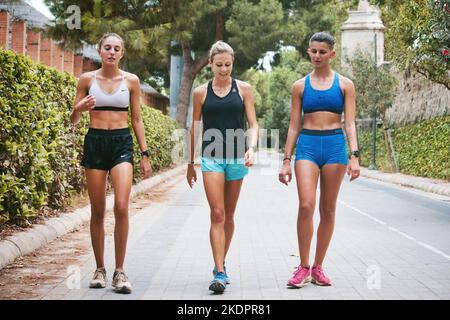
[298, 270]
[99, 274]
[320, 272]
[121, 276]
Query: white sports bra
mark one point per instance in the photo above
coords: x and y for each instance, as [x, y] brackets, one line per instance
[116, 101]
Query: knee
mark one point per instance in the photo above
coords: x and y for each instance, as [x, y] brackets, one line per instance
[327, 213]
[217, 215]
[121, 209]
[229, 217]
[97, 213]
[306, 210]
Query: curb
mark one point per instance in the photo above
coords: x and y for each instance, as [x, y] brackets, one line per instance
[423, 184]
[25, 242]
[439, 187]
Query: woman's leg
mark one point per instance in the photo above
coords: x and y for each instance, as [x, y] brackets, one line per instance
[232, 191]
[96, 184]
[307, 174]
[330, 181]
[214, 183]
[121, 177]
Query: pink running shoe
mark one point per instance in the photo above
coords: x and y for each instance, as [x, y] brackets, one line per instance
[301, 277]
[318, 277]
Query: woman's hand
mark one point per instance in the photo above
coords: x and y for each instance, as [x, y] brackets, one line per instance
[86, 104]
[249, 158]
[146, 168]
[285, 175]
[353, 169]
[191, 175]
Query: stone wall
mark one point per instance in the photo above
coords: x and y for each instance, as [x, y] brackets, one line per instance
[418, 99]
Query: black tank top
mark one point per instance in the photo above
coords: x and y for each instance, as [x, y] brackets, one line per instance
[223, 124]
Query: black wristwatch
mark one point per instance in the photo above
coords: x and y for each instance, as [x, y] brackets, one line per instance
[145, 153]
[354, 154]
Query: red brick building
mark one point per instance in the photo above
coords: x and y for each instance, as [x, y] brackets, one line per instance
[21, 28]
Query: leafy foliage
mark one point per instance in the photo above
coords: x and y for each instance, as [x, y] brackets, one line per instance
[418, 36]
[422, 149]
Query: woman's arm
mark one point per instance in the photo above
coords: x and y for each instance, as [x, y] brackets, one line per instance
[250, 113]
[350, 127]
[136, 122]
[285, 175]
[294, 122]
[83, 102]
[194, 133]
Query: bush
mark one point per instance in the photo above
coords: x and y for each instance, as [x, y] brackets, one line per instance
[422, 149]
[158, 132]
[39, 162]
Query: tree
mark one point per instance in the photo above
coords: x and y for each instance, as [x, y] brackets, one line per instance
[418, 36]
[375, 89]
[148, 27]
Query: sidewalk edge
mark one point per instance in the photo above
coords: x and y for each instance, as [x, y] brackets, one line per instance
[25, 242]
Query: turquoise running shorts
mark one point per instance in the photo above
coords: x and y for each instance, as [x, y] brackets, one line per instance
[233, 169]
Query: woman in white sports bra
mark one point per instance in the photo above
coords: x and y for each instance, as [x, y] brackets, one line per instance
[107, 94]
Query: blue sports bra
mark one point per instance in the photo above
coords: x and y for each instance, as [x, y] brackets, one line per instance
[331, 100]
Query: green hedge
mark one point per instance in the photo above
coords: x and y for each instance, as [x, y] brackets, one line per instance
[40, 151]
[158, 132]
[422, 149]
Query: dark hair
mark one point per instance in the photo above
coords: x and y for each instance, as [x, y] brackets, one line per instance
[323, 37]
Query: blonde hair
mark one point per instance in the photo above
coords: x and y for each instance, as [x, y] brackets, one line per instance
[220, 47]
[110, 34]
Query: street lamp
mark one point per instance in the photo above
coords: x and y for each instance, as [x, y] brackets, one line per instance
[373, 165]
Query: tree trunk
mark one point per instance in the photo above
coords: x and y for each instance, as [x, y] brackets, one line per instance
[387, 144]
[191, 69]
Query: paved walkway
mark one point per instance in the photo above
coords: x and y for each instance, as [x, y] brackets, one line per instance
[371, 256]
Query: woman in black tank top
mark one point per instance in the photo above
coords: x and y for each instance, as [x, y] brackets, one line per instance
[222, 104]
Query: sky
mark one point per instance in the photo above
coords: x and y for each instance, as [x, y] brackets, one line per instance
[39, 5]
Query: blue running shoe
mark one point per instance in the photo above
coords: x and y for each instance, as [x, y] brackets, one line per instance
[214, 272]
[219, 283]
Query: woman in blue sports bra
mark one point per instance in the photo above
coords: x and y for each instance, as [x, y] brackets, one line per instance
[108, 147]
[319, 99]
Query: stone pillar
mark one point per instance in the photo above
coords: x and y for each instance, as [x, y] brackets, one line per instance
[359, 31]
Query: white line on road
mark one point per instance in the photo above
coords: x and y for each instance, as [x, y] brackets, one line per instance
[420, 243]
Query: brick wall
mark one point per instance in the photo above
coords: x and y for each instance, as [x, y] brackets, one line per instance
[4, 29]
[33, 45]
[46, 51]
[68, 61]
[89, 65]
[19, 36]
[58, 58]
[77, 65]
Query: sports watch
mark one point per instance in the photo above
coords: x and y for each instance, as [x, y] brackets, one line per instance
[354, 153]
[145, 153]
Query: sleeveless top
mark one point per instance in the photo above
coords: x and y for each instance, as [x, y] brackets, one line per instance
[331, 100]
[223, 124]
[116, 101]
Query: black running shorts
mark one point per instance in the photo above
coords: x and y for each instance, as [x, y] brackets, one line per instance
[104, 149]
